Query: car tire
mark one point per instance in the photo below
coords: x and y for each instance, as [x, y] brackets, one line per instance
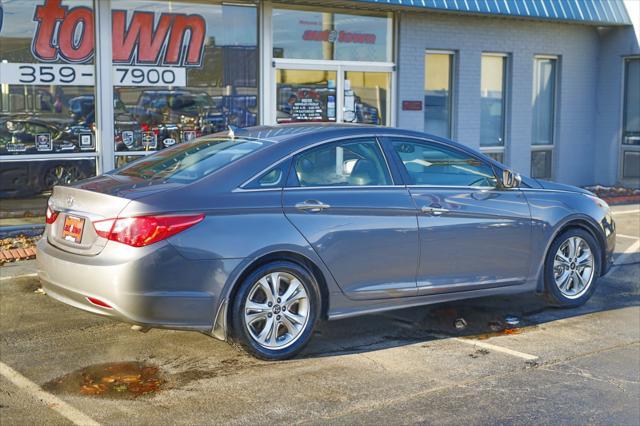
[275, 324]
[570, 274]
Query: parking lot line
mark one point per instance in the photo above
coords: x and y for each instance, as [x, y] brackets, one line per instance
[619, 212]
[75, 416]
[496, 348]
[18, 276]
[622, 257]
[633, 237]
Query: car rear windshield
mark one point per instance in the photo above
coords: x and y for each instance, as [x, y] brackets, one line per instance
[191, 161]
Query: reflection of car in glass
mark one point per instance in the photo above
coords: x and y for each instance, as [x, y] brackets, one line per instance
[26, 178]
[28, 135]
[256, 236]
[173, 116]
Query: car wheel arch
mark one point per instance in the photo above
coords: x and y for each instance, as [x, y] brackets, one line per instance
[223, 318]
[575, 223]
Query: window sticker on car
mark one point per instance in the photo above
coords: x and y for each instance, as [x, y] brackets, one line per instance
[44, 142]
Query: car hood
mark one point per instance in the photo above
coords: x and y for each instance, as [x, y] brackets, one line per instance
[562, 187]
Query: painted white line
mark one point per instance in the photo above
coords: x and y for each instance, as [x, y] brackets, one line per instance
[633, 237]
[75, 416]
[18, 276]
[496, 348]
[486, 345]
[625, 212]
[622, 258]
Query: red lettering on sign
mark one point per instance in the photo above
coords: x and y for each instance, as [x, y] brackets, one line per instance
[81, 50]
[68, 34]
[197, 29]
[139, 38]
[47, 16]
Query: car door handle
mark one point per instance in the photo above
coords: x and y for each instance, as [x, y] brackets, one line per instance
[435, 211]
[313, 206]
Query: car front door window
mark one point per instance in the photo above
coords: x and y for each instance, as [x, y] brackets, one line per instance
[431, 164]
[355, 162]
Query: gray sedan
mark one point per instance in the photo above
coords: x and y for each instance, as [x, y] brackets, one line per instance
[256, 236]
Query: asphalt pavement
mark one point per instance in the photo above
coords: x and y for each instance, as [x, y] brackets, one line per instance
[556, 366]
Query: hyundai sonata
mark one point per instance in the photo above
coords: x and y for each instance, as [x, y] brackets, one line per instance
[257, 235]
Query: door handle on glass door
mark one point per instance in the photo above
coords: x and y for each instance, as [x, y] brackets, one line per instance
[313, 206]
[435, 211]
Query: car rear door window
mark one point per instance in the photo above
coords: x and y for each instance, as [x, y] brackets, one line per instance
[353, 162]
[433, 164]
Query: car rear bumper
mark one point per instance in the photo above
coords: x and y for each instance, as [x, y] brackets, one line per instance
[152, 286]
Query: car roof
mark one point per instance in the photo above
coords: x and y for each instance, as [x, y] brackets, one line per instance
[316, 131]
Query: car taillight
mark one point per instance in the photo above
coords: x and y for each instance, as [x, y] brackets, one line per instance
[144, 230]
[51, 215]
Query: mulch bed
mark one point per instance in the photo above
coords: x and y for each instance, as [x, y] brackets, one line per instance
[616, 194]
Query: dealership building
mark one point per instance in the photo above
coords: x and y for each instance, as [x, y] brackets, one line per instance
[549, 87]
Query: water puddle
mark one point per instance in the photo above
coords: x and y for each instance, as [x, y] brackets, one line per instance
[122, 380]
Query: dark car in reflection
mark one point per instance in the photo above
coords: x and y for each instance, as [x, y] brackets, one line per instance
[20, 135]
[30, 135]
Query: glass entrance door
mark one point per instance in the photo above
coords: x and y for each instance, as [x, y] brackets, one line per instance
[305, 96]
[331, 93]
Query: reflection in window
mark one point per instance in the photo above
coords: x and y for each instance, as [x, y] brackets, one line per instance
[437, 93]
[41, 117]
[33, 180]
[492, 99]
[324, 35]
[431, 164]
[305, 96]
[215, 80]
[365, 97]
[351, 163]
[190, 162]
[544, 101]
[541, 164]
[631, 120]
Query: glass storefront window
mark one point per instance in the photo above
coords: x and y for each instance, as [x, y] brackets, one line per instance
[365, 97]
[492, 100]
[544, 98]
[189, 69]
[305, 95]
[46, 102]
[305, 34]
[437, 93]
[46, 78]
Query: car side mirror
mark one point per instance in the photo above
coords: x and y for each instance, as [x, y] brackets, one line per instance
[510, 179]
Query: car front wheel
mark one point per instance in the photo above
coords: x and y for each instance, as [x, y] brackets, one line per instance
[275, 310]
[572, 267]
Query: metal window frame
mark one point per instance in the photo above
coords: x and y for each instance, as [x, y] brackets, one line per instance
[554, 119]
[453, 64]
[268, 73]
[506, 104]
[622, 148]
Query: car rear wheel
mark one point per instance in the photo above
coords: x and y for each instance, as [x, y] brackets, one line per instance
[275, 310]
[572, 267]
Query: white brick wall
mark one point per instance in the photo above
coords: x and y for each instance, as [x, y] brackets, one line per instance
[579, 158]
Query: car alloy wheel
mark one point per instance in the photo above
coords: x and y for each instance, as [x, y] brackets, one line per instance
[276, 311]
[573, 267]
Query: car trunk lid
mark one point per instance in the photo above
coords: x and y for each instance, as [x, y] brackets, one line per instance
[77, 209]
